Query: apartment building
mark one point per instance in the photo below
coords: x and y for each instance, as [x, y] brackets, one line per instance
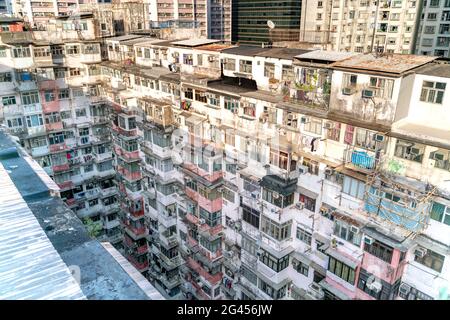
[433, 31]
[273, 173]
[246, 172]
[250, 18]
[361, 26]
[212, 17]
[50, 100]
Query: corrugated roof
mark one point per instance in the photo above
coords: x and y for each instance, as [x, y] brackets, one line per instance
[389, 63]
[194, 42]
[30, 267]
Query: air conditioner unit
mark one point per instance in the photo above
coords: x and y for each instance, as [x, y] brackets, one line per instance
[329, 125]
[420, 252]
[294, 263]
[202, 221]
[347, 91]
[259, 252]
[438, 156]
[368, 93]
[329, 171]
[354, 229]
[404, 289]
[300, 205]
[302, 169]
[316, 290]
[255, 194]
[374, 286]
[211, 58]
[304, 120]
[368, 240]
[378, 137]
[275, 195]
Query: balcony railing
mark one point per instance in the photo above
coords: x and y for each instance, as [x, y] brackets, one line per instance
[310, 98]
[61, 167]
[54, 126]
[360, 160]
[58, 147]
[129, 175]
[213, 279]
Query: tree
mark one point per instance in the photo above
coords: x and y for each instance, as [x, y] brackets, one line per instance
[93, 228]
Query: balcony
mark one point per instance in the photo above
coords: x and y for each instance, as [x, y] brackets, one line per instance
[55, 126]
[315, 99]
[210, 177]
[129, 175]
[169, 240]
[39, 151]
[212, 279]
[211, 231]
[192, 219]
[47, 84]
[58, 147]
[132, 212]
[60, 168]
[170, 263]
[211, 256]
[130, 156]
[52, 106]
[140, 266]
[359, 160]
[210, 205]
[127, 133]
[65, 185]
[135, 232]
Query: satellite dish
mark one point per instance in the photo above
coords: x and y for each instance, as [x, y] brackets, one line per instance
[270, 24]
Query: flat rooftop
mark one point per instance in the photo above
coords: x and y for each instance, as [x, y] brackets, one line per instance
[194, 42]
[278, 53]
[395, 64]
[35, 221]
[330, 56]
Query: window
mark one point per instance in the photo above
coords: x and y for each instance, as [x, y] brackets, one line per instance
[441, 213]
[16, 122]
[309, 203]
[275, 230]
[3, 52]
[63, 94]
[365, 139]
[72, 49]
[304, 236]
[272, 262]
[230, 138]
[302, 268]
[314, 125]
[432, 260]
[353, 187]
[379, 250]
[250, 216]
[52, 117]
[287, 73]
[347, 232]
[341, 270]
[245, 66]
[365, 278]
[231, 104]
[49, 96]
[74, 72]
[381, 87]
[30, 98]
[432, 92]
[199, 59]
[349, 80]
[9, 100]
[269, 70]
[187, 59]
[409, 150]
[34, 121]
[5, 77]
[333, 131]
[91, 49]
[21, 52]
[41, 52]
[228, 194]
[277, 199]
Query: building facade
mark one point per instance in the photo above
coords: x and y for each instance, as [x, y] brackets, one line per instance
[249, 21]
[361, 26]
[433, 32]
[234, 172]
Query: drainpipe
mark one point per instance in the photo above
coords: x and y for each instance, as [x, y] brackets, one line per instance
[375, 25]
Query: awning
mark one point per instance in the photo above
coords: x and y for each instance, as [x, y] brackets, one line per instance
[279, 185]
[400, 244]
[326, 286]
[275, 285]
[249, 174]
[306, 192]
[339, 256]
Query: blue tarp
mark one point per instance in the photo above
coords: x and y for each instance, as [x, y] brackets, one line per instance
[363, 160]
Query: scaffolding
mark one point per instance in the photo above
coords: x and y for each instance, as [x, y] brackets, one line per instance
[399, 203]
